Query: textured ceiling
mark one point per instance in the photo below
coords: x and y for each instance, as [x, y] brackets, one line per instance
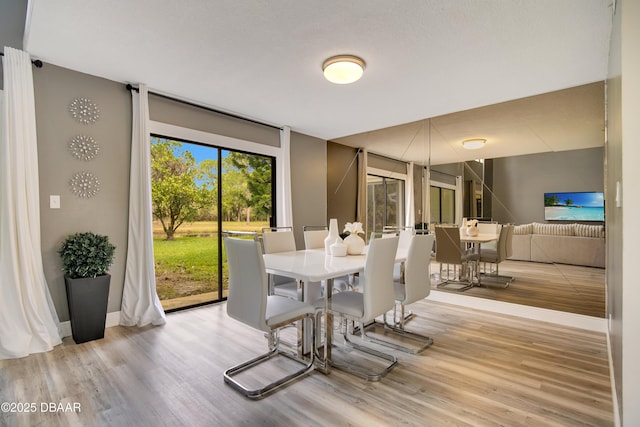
[262, 59]
[568, 119]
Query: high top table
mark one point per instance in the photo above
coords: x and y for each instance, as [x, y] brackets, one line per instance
[312, 265]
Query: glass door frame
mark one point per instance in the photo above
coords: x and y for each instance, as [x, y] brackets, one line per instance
[385, 174]
[221, 142]
[457, 189]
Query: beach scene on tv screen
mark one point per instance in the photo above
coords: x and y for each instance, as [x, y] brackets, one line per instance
[574, 206]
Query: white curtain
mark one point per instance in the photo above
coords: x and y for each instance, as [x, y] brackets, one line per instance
[28, 319]
[140, 303]
[285, 209]
[410, 217]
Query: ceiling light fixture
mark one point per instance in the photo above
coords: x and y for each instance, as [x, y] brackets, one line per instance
[343, 69]
[473, 144]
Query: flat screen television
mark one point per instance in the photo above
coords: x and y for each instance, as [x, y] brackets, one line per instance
[578, 206]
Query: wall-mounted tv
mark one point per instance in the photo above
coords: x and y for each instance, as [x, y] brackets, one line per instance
[579, 206]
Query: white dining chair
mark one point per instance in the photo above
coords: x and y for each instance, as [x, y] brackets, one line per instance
[449, 251]
[415, 286]
[249, 303]
[275, 240]
[404, 240]
[503, 250]
[314, 236]
[488, 228]
[362, 307]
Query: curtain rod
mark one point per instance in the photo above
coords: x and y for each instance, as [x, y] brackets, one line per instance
[235, 116]
[36, 62]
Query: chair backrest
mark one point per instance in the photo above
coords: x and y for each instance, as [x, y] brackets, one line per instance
[378, 294]
[488, 228]
[240, 234]
[314, 237]
[247, 299]
[448, 249]
[417, 268]
[278, 240]
[405, 236]
[509, 240]
[501, 249]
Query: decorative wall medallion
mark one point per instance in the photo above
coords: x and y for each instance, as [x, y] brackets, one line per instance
[84, 111]
[84, 185]
[84, 147]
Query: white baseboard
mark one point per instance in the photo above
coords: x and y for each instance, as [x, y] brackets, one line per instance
[591, 323]
[113, 319]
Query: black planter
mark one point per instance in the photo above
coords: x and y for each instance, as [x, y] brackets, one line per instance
[88, 298]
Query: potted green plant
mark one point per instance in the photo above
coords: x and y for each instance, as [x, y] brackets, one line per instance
[86, 258]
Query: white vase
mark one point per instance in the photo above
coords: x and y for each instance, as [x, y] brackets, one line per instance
[339, 248]
[332, 236]
[355, 244]
[472, 231]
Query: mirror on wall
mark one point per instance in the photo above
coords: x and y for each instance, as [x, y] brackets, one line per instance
[547, 143]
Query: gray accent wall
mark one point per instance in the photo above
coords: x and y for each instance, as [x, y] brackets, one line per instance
[107, 212]
[308, 183]
[519, 182]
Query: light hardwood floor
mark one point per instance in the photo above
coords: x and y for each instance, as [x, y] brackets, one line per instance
[483, 369]
[569, 288]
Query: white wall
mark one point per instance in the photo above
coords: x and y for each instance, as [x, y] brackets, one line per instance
[630, 57]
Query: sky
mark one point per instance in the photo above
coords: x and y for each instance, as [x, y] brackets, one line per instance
[202, 152]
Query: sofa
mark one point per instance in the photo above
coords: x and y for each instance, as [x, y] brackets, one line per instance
[577, 244]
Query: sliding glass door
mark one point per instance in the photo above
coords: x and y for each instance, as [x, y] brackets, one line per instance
[385, 203]
[199, 191]
[442, 202]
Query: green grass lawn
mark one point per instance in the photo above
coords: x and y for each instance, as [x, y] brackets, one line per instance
[188, 265]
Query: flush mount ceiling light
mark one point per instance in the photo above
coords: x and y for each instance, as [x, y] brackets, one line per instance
[343, 69]
[473, 144]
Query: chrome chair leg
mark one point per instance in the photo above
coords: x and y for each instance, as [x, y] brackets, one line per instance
[397, 327]
[358, 370]
[274, 350]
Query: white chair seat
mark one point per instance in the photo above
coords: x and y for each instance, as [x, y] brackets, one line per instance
[280, 309]
[289, 290]
[489, 255]
[342, 284]
[470, 256]
[349, 303]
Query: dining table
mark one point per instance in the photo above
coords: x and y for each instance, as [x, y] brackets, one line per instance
[315, 265]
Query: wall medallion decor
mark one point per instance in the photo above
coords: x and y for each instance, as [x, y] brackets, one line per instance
[84, 185]
[84, 147]
[84, 111]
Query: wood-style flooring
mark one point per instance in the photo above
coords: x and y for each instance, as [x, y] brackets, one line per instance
[483, 369]
[569, 288]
